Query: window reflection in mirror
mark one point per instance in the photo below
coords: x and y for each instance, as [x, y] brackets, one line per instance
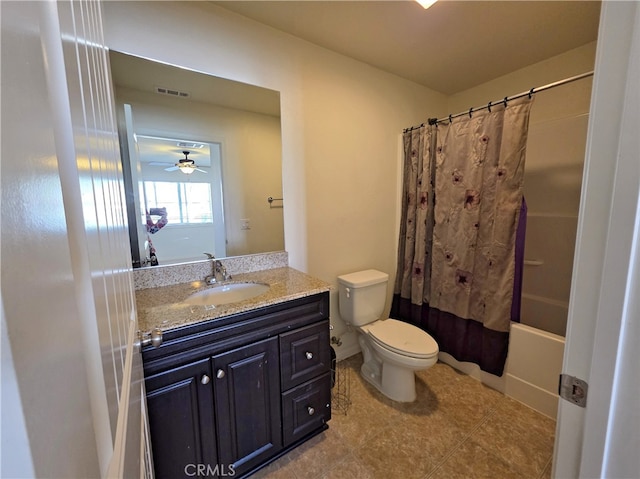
[181, 206]
[230, 130]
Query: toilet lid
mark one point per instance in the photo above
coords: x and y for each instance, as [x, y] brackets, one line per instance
[403, 338]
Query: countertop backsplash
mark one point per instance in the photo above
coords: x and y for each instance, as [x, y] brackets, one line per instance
[157, 276]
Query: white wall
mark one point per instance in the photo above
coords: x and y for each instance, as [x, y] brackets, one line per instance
[251, 162]
[341, 126]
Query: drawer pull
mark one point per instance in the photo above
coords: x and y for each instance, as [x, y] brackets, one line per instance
[205, 379]
[309, 355]
[311, 411]
[220, 374]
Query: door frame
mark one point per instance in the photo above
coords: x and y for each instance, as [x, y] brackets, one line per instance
[606, 250]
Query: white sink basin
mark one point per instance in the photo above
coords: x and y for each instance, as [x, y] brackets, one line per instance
[227, 293]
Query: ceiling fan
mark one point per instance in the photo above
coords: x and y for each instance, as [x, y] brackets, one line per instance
[185, 165]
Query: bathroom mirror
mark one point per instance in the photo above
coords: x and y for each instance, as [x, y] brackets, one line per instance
[202, 161]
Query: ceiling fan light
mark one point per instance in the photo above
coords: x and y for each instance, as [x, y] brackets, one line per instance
[186, 165]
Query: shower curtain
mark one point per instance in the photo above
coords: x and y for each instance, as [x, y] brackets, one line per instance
[462, 205]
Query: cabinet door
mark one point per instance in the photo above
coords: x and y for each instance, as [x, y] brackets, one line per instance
[181, 420]
[247, 396]
[305, 354]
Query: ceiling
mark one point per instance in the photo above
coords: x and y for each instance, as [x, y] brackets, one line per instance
[137, 73]
[450, 47]
[168, 152]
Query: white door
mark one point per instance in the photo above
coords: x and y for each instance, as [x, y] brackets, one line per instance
[603, 439]
[68, 311]
[95, 207]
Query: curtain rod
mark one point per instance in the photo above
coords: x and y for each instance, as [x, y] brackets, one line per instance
[433, 121]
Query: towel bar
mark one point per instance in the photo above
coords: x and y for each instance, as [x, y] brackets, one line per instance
[271, 199]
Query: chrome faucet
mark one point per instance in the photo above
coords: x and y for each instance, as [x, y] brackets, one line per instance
[218, 271]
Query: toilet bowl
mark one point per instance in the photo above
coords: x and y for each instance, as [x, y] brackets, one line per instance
[392, 350]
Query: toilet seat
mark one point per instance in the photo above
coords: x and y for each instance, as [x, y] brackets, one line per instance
[403, 338]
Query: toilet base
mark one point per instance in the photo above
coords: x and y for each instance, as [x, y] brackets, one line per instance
[398, 384]
[395, 382]
[392, 375]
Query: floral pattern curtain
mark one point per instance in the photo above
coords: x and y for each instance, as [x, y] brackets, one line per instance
[413, 278]
[462, 202]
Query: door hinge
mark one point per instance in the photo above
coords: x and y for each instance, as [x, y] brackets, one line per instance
[573, 390]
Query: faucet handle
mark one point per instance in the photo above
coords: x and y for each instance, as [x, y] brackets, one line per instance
[209, 256]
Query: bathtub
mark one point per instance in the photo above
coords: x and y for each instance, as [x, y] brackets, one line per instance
[531, 373]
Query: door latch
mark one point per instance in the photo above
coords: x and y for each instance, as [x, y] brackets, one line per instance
[573, 390]
[145, 339]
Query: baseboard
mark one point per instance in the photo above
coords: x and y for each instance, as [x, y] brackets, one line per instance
[473, 370]
[346, 350]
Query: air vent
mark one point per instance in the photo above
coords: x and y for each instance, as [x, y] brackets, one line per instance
[172, 92]
[193, 146]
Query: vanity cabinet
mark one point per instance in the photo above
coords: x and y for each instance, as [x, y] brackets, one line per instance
[234, 393]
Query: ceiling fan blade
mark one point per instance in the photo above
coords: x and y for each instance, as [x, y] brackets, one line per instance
[158, 163]
[172, 168]
[201, 171]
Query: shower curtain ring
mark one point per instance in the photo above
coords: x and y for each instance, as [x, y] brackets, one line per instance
[531, 93]
[505, 101]
[449, 118]
[470, 111]
[489, 107]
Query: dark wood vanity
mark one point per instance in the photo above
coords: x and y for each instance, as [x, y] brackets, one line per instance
[231, 394]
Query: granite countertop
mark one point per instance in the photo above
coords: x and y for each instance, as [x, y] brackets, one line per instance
[163, 307]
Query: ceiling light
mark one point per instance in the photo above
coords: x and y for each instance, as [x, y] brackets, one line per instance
[426, 3]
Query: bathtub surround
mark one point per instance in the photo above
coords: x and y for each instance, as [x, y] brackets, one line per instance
[534, 365]
[456, 258]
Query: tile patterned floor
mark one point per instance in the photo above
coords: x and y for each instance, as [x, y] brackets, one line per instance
[457, 428]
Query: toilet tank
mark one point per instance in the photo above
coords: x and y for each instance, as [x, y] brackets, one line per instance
[362, 296]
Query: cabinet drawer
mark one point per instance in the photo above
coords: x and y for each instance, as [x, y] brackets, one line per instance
[304, 354]
[306, 408]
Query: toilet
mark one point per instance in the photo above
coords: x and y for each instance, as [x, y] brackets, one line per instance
[392, 350]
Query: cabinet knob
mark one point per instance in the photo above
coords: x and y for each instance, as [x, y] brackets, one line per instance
[205, 379]
[311, 411]
[309, 355]
[220, 374]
